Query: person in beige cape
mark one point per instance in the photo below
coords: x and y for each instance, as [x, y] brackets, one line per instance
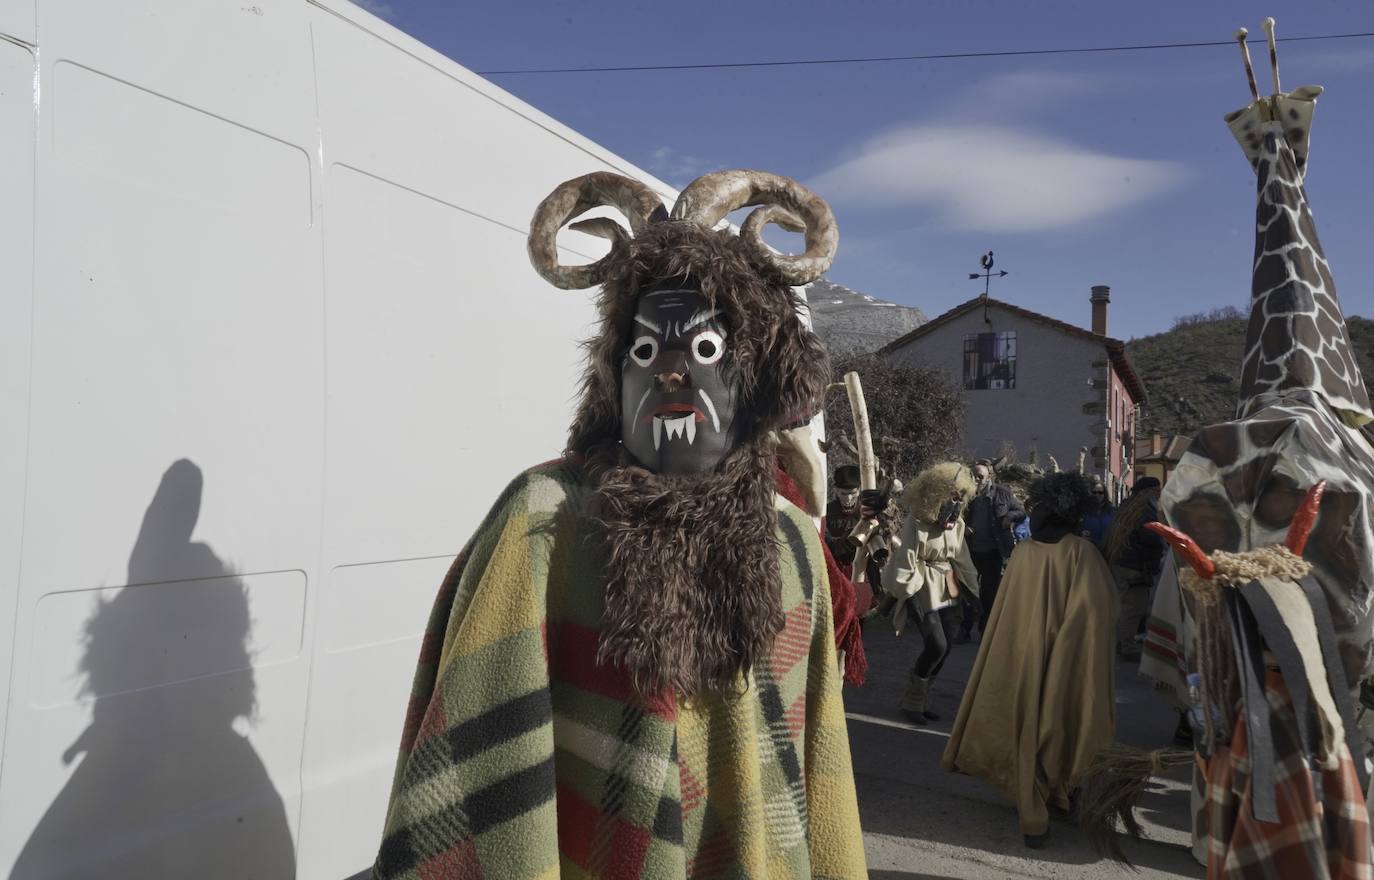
[1039, 703]
[929, 566]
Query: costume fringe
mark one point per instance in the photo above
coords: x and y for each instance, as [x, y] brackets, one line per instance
[1215, 652]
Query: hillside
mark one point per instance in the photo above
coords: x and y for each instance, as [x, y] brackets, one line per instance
[851, 322]
[1192, 373]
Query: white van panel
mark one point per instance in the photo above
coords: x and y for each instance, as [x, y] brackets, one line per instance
[270, 346]
[443, 355]
[175, 435]
[243, 60]
[433, 129]
[17, 114]
[171, 648]
[19, 19]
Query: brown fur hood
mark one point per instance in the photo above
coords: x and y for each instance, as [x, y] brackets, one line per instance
[934, 486]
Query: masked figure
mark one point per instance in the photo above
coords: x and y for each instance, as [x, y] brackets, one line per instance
[842, 514]
[1039, 704]
[928, 571]
[630, 670]
[1279, 577]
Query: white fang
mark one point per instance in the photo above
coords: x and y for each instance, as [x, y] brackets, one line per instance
[711, 407]
[691, 429]
[658, 433]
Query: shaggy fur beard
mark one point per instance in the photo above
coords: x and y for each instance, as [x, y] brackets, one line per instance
[693, 594]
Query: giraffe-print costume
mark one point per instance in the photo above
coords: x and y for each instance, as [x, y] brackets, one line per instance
[1297, 337]
[1304, 413]
[1303, 417]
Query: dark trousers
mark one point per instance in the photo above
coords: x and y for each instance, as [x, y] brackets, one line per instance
[989, 566]
[936, 629]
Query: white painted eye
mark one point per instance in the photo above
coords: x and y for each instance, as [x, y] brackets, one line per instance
[644, 350]
[707, 347]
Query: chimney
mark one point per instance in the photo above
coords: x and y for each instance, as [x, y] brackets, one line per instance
[1156, 444]
[1101, 296]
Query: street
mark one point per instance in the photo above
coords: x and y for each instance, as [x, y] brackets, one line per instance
[921, 822]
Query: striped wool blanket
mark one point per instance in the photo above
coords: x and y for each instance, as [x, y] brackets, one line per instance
[522, 758]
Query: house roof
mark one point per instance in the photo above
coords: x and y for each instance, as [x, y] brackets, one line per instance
[1172, 451]
[1115, 348]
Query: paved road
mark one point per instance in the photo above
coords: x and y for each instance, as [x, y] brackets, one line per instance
[921, 822]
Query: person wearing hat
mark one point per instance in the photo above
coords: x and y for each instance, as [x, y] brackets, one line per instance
[1135, 554]
[842, 515]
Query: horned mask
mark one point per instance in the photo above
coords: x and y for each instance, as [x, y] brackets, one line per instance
[700, 360]
[700, 330]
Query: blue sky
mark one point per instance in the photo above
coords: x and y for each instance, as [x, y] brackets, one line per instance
[1076, 170]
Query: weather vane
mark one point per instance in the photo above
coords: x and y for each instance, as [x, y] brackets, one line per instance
[987, 272]
[986, 275]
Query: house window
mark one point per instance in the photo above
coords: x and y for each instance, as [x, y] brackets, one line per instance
[990, 361]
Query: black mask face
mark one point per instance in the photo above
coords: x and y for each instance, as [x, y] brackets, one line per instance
[949, 512]
[678, 391]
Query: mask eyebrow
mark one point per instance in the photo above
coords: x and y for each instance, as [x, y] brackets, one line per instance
[650, 324]
[701, 317]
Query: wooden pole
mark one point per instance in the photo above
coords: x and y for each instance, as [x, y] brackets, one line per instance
[868, 466]
[863, 434]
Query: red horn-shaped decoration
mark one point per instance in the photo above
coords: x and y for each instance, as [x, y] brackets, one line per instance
[1187, 548]
[1304, 519]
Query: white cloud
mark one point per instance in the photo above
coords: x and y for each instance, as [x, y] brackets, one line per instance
[378, 8]
[990, 178]
[674, 167]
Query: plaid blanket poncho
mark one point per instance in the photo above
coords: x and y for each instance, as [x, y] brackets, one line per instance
[522, 758]
[1322, 830]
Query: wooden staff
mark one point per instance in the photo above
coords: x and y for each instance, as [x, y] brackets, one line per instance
[868, 466]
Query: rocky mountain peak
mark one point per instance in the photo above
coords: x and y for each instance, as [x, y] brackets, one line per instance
[849, 322]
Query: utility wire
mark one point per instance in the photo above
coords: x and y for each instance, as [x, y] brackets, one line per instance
[939, 57]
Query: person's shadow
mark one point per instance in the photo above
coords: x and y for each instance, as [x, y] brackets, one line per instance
[164, 785]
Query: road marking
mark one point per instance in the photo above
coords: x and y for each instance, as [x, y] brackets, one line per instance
[900, 725]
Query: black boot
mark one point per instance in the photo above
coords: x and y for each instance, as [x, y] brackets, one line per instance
[913, 703]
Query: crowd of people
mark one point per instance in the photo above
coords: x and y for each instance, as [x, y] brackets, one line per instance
[1064, 561]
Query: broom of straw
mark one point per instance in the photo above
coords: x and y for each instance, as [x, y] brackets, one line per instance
[1111, 790]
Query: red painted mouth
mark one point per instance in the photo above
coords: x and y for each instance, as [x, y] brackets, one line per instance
[674, 410]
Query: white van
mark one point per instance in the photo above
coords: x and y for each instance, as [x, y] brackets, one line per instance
[269, 347]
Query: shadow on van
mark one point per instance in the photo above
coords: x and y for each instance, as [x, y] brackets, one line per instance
[164, 784]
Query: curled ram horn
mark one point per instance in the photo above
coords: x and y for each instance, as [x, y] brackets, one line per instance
[709, 198]
[640, 205]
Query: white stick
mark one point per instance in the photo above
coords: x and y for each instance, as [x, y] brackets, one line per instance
[1245, 56]
[1273, 54]
[868, 469]
[863, 435]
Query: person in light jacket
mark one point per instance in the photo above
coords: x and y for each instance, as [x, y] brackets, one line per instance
[926, 572]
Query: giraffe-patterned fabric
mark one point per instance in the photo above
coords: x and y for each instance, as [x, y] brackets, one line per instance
[1299, 419]
[1303, 417]
[1297, 340]
[522, 757]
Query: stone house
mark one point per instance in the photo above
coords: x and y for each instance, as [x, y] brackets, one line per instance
[1041, 384]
